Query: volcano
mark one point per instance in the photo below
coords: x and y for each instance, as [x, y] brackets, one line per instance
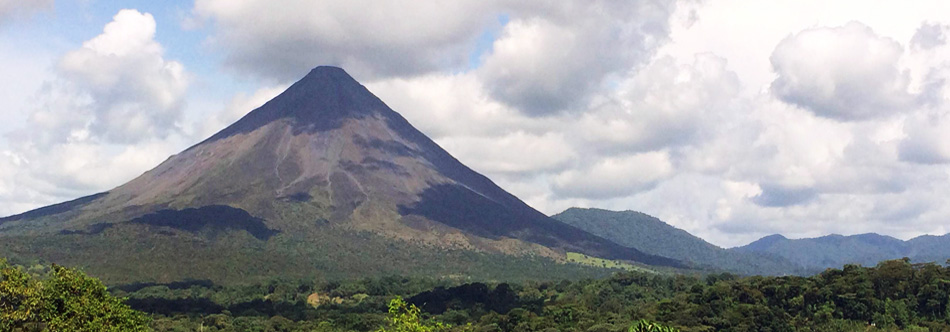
[324, 178]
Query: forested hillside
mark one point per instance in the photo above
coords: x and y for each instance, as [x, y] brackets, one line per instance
[653, 236]
[834, 250]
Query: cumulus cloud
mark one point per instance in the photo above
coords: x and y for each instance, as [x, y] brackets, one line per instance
[12, 8]
[517, 152]
[551, 62]
[110, 112]
[844, 73]
[16, 197]
[117, 87]
[615, 176]
[927, 141]
[447, 105]
[664, 104]
[457, 112]
[549, 57]
[369, 38]
[794, 149]
[651, 113]
[134, 92]
[929, 36]
[34, 177]
[796, 156]
[84, 167]
[811, 175]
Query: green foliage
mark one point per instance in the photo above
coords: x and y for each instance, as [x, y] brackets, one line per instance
[126, 254]
[583, 259]
[644, 325]
[404, 317]
[894, 295]
[66, 300]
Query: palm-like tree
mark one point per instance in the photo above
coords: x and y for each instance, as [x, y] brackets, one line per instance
[646, 326]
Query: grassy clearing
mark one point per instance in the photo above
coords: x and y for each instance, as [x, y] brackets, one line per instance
[582, 259]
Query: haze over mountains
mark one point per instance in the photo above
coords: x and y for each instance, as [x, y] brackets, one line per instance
[324, 177]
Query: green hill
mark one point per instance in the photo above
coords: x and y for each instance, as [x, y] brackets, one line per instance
[653, 236]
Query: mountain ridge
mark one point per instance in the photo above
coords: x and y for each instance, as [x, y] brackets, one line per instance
[836, 250]
[650, 234]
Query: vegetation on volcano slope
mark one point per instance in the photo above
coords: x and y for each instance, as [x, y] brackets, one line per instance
[578, 258]
[894, 295]
[130, 253]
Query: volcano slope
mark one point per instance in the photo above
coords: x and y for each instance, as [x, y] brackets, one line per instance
[324, 180]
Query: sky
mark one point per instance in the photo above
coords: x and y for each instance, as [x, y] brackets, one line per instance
[729, 119]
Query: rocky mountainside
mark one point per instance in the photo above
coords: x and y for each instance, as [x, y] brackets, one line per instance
[325, 177]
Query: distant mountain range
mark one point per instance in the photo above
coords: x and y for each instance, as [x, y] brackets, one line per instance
[651, 235]
[838, 250]
[771, 255]
[324, 180]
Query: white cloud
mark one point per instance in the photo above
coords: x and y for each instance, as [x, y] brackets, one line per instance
[133, 93]
[116, 88]
[794, 149]
[930, 35]
[368, 38]
[13, 8]
[664, 104]
[517, 152]
[551, 62]
[550, 57]
[445, 105]
[928, 139]
[615, 176]
[456, 112]
[844, 73]
[32, 178]
[111, 111]
[89, 167]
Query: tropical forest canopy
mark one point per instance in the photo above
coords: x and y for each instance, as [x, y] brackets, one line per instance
[894, 295]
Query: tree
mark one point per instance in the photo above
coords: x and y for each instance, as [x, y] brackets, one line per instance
[405, 317]
[647, 326]
[65, 300]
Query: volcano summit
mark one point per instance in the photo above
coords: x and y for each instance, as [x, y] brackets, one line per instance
[324, 179]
